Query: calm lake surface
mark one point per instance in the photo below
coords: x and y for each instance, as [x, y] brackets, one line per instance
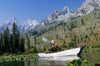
[61, 61]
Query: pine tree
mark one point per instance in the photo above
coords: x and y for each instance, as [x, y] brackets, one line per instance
[6, 40]
[14, 37]
[8, 37]
[35, 40]
[28, 44]
[5, 45]
[18, 40]
[71, 26]
[64, 44]
[11, 43]
[21, 46]
[75, 44]
[1, 42]
[82, 21]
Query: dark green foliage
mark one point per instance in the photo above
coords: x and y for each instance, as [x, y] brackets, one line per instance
[78, 40]
[22, 42]
[57, 36]
[35, 32]
[6, 37]
[83, 11]
[91, 33]
[95, 24]
[10, 42]
[90, 28]
[34, 39]
[14, 36]
[28, 44]
[87, 28]
[35, 50]
[82, 21]
[72, 25]
[64, 44]
[1, 42]
[18, 40]
[75, 37]
[66, 36]
[95, 13]
[98, 17]
[71, 44]
[86, 36]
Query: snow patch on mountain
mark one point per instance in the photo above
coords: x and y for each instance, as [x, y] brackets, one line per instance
[28, 25]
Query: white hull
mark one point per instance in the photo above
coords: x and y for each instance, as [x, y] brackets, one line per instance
[71, 52]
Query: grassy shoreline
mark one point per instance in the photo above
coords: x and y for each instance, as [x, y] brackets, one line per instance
[17, 57]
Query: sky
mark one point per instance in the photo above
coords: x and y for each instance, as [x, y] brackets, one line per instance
[24, 10]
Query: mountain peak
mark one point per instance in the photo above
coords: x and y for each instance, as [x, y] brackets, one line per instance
[31, 21]
[28, 25]
[92, 0]
[66, 9]
[11, 21]
[13, 18]
[56, 12]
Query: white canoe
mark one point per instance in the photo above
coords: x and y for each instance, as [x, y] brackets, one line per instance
[70, 52]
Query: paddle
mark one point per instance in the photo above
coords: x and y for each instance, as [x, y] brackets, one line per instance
[45, 40]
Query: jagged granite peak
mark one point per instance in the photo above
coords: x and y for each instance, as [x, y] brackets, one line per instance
[11, 21]
[56, 16]
[65, 15]
[92, 1]
[65, 10]
[28, 25]
[56, 12]
[87, 7]
[8, 23]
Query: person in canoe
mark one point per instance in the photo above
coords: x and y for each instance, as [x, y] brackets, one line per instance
[54, 47]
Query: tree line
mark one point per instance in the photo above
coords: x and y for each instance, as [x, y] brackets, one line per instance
[11, 42]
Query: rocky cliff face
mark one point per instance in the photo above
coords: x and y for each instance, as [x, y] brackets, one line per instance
[87, 7]
[57, 16]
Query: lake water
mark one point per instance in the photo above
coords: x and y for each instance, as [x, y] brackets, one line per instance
[56, 61]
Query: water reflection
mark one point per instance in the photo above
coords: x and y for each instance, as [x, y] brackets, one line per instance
[17, 63]
[54, 61]
[65, 58]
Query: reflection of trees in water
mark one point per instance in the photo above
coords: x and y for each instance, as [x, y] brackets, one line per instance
[15, 63]
[31, 62]
[54, 63]
[27, 63]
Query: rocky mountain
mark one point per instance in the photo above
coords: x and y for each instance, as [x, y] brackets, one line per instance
[8, 23]
[87, 7]
[57, 16]
[30, 24]
[65, 15]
